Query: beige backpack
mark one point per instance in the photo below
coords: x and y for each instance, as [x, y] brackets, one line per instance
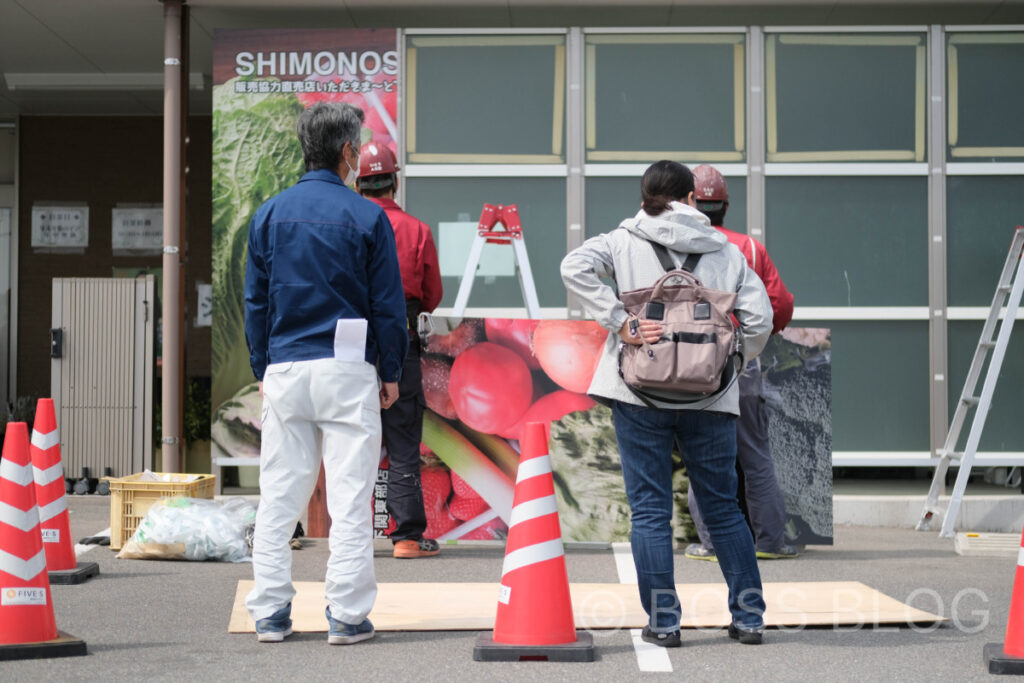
[697, 355]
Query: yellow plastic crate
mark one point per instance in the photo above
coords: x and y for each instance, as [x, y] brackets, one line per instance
[130, 499]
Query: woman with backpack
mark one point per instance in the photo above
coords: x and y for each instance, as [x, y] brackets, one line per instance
[646, 428]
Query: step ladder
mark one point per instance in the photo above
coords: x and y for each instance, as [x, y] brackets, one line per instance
[499, 225]
[1008, 293]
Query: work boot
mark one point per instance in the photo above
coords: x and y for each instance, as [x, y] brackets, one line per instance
[341, 633]
[670, 639]
[784, 552]
[411, 549]
[276, 627]
[696, 551]
[747, 636]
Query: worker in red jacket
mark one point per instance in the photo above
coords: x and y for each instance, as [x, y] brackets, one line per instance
[766, 506]
[403, 423]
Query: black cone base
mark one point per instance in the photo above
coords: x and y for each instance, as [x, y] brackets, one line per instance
[487, 650]
[63, 645]
[83, 572]
[1001, 663]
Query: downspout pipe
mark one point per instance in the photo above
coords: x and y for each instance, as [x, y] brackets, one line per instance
[171, 374]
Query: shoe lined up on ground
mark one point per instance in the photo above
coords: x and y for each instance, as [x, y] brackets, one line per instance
[747, 636]
[670, 639]
[276, 627]
[696, 551]
[411, 549]
[785, 552]
[341, 633]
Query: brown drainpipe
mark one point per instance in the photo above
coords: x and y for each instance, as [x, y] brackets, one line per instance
[171, 373]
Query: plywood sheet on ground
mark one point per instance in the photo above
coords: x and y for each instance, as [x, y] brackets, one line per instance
[471, 606]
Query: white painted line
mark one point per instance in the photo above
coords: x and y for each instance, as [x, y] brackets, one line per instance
[82, 549]
[649, 657]
[624, 562]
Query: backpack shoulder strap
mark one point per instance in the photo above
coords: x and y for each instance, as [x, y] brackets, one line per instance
[668, 264]
[691, 262]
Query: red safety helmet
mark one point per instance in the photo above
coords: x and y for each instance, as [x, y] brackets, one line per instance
[709, 185]
[376, 159]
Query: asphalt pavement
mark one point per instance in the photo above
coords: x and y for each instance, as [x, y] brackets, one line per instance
[165, 620]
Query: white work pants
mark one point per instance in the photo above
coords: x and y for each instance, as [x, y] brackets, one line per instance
[308, 407]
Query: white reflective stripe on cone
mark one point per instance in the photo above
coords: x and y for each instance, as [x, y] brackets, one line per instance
[19, 474]
[532, 554]
[532, 509]
[23, 569]
[49, 475]
[534, 467]
[25, 520]
[45, 442]
[51, 510]
[1020, 557]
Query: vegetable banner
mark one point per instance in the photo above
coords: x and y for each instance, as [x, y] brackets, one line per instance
[484, 379]
[262, 82]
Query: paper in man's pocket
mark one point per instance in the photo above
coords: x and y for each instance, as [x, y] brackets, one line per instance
[350, 339]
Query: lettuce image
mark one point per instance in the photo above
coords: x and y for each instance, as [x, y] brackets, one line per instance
[255, 155]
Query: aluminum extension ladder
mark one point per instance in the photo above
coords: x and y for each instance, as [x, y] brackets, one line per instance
[1008, 293]
[511, 232]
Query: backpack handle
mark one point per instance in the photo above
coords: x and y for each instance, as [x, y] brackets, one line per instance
[686, 276]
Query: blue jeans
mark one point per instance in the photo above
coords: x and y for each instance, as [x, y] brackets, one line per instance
[766, 504]
[708, 445]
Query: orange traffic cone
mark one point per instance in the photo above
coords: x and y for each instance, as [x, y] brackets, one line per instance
[28, 627]
[534, 619]
[1008, 657]
[61, 562]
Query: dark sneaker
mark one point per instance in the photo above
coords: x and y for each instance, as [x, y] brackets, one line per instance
[341, 633]
[670, 639]
[696, 551]
[785, 552]
[276, 627]
[409, 549]
[747, 636]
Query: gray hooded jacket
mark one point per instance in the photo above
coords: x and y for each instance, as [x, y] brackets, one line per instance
[625, 256]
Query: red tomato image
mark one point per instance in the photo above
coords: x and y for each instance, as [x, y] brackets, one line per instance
[515, 334]
[568, 351]
[490, 386]
[548, 409]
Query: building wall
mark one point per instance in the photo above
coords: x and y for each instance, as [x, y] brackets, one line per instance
[102, 162]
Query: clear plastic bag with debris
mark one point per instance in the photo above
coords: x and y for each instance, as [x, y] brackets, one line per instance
[193, 529]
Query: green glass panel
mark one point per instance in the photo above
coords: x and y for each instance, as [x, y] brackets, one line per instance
[990, 95]
[853, 241]
[1002, 430]
[610, 200]
[879, 385]
[497, 99]
[670, 96]
[982, 214]
[845, 97]
[541, 203]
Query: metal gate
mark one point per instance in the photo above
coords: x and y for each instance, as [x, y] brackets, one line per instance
[101, 373]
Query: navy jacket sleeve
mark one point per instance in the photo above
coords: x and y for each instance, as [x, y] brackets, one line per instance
[256, 298]
[387, 301]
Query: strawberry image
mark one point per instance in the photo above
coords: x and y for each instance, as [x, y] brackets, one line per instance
[494, 530]
[440, 523]
[465, 503]
[461, 488]
[437, 487]
[465, 509]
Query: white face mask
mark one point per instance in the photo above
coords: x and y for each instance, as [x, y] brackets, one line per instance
[353, 173]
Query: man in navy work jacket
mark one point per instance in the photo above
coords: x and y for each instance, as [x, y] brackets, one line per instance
[326, 329]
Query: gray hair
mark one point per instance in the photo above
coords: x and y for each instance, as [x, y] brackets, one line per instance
[323, 130]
